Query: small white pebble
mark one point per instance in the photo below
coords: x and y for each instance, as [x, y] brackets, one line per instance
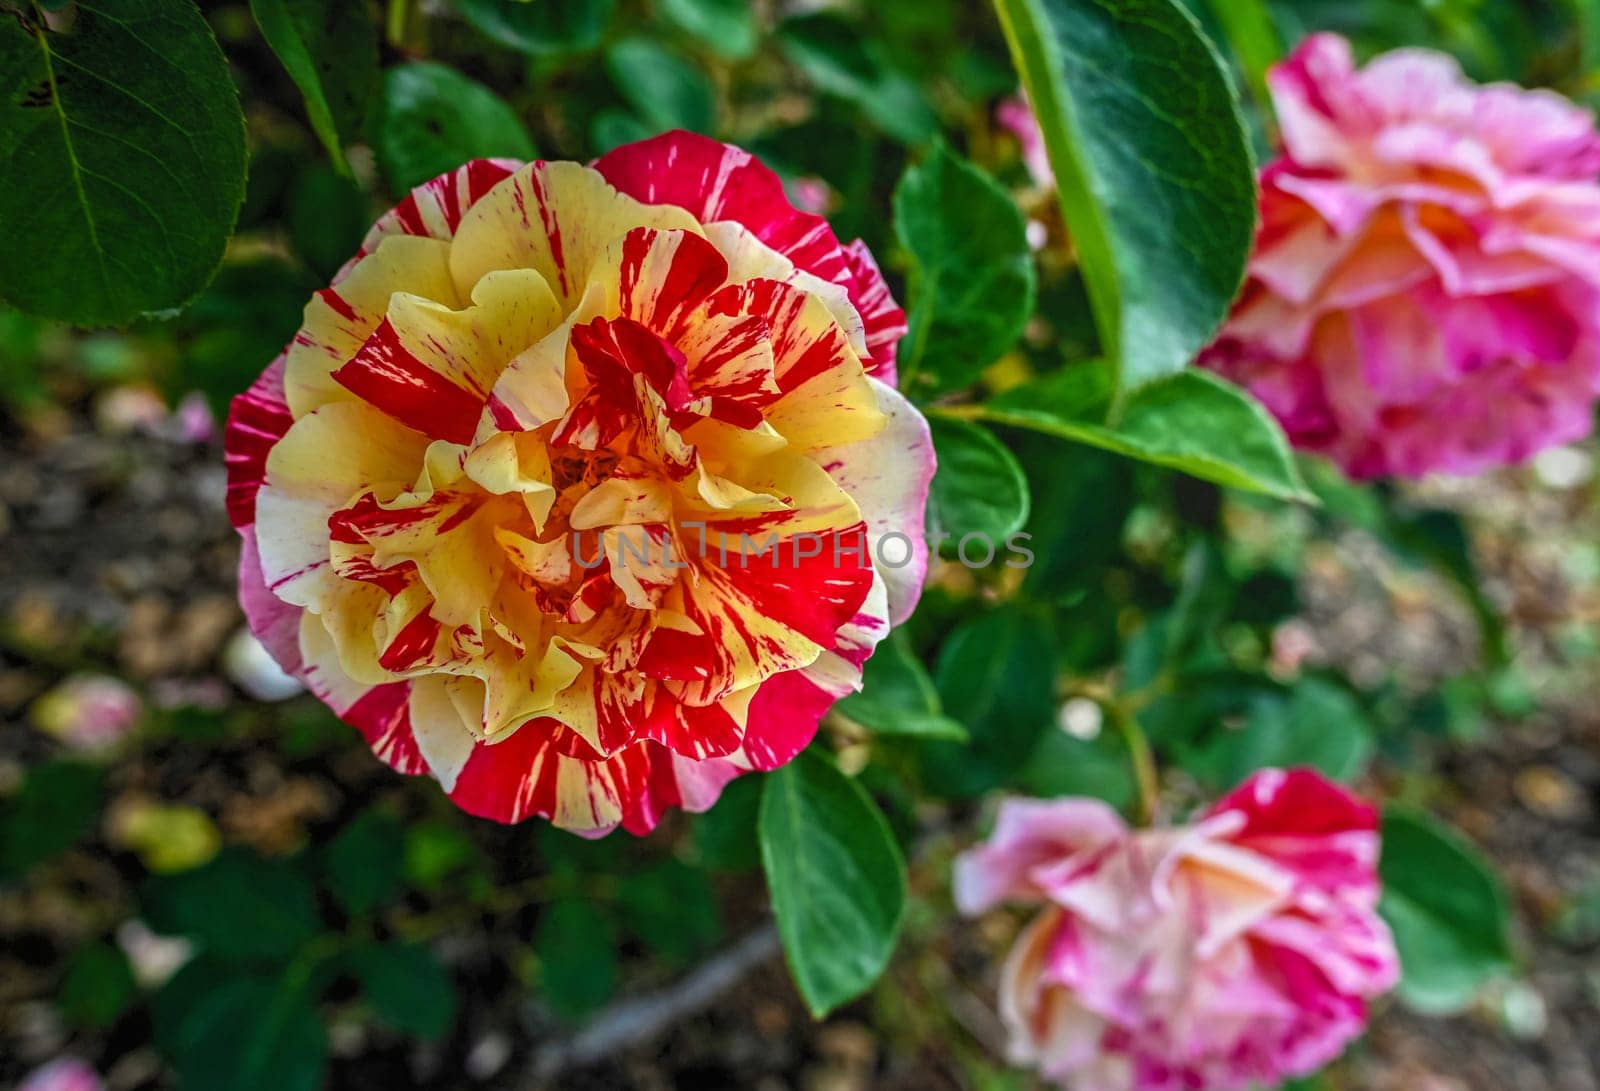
[1564, 467]
[255, 671]
[1081, 718]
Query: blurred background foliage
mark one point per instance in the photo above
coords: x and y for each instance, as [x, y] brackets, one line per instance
[236, 896]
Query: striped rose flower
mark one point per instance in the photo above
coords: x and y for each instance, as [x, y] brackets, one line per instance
[1229, 954]
[571, 489]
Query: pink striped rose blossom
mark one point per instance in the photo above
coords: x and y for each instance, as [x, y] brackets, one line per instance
[488, 491]
[1231, 953]
[1425, 289]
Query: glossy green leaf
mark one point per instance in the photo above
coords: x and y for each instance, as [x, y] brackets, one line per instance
[837, 880]
[978, 489]
[898, 698]
[432, 119]
[1447, 909]
[972, 279]
[725, 836]
[330, 49]
[1153, 164]
[727, 26]
[663, 88]
[122, 160]
[364, 862]
[540, 27]
[407, 988]
[995, 675]
[1193, 422]
[1064, 765]
[239, 907]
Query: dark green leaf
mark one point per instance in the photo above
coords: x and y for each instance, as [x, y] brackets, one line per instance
[672, 909]
[898, 698]
[837, 58]
[1316, 723]
[725, 836]
[56, 805]
[432, 119]
[122, 160]
[837, 880]
[972, 284]
[1153, 164]
[242, 1032]
[727, 26]
[236, 327]
[540, 27]
[327, 219]
[663, 88]
[240, 906]
[995, 675]
[1193, 422]
[364, 862]
[98, 986]
[330, 48]
[576, 944]
[407, 988]
[979, 489]
[1447, 910]
[614, 128]
[1064, 765]
[435, 852]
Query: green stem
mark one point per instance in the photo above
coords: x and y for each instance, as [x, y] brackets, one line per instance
[1140, 756]
[400, 23]
[1255, 41]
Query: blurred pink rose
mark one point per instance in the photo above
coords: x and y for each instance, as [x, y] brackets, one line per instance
[88, 711]
[66, 1074]
[1016, 118]
[1238, 951]
[1423, 293]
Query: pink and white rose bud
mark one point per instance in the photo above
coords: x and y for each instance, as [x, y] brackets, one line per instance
[1425, 289]
[1232, 953]
[88, 712]
[66, 1074]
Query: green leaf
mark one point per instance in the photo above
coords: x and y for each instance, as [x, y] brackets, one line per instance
[576, 944]
[1153, 167]
[725, 836]
[1255, 41]
[122, 160]
[727, 26]
[330, 49]
[835, 56]
[614, 128]
[995, 675]
[240, 907]
[364, 862]
[972, 278]
[1316, 723]
[407, 988]
[432, 119]
[437, 852]
[56, 805]
[98, 986]
[242, 1032]
[327, 218]
[837, 880]
[663, 88]
[898, 698]
[1193, 422]
[1064, 765]
[540, 27]
[672, 909]
[978, 488]
[1447, 910]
